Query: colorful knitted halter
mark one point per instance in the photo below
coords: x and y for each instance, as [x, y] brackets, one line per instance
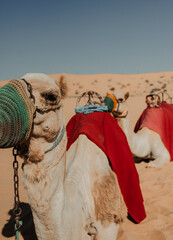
[111, 102]
[16, 114]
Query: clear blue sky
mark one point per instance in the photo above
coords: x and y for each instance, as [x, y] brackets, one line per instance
[85, 36]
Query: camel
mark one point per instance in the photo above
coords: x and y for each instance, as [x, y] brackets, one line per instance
[74, 194]
[145, 143]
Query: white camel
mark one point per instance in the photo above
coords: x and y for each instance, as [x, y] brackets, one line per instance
[73, 195]
[145, 143]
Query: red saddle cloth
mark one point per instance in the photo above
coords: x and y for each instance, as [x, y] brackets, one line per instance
[159, 120]
[103, 130]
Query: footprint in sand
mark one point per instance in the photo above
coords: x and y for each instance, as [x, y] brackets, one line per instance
[156, 235]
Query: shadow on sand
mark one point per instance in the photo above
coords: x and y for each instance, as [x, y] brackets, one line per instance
[139, 159]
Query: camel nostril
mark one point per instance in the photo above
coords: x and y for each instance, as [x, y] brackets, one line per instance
[46, 128]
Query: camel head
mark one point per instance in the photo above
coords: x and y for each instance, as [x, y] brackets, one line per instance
[116, 103]
[41, 113]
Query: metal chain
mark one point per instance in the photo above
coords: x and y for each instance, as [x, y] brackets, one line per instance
[16, 210]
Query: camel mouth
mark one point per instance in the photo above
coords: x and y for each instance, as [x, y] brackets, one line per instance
[117, 114]
[23, 150]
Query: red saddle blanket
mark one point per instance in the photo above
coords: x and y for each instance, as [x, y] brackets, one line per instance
[103, 130]
[159, 120]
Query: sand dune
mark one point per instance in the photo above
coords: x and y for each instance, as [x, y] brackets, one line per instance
[156, 184]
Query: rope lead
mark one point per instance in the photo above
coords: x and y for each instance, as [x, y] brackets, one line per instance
[17, 226]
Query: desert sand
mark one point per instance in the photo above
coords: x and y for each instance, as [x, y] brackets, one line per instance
[156, 184]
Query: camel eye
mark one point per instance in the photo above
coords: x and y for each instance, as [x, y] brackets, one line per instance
[49, 97]
[120, 100]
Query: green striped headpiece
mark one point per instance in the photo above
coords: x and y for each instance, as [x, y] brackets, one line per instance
[110, 101]
[16, 114]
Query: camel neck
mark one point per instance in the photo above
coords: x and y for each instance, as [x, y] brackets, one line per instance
[44, 183]
[57, 141]
[124, 123]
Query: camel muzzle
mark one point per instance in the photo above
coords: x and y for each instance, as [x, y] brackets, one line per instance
[16, 114]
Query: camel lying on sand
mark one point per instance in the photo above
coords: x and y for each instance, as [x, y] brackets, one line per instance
[73, 195]
[145, 143]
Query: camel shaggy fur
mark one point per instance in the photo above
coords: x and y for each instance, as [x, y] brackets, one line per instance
[73, 195]
[143, 144]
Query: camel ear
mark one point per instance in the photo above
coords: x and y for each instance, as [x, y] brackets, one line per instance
[62, 83]
[126, 95]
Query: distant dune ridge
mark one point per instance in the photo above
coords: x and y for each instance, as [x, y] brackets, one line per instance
[156, 184]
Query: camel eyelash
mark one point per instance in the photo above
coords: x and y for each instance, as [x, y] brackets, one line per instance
[120, 100]
[49, 96]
